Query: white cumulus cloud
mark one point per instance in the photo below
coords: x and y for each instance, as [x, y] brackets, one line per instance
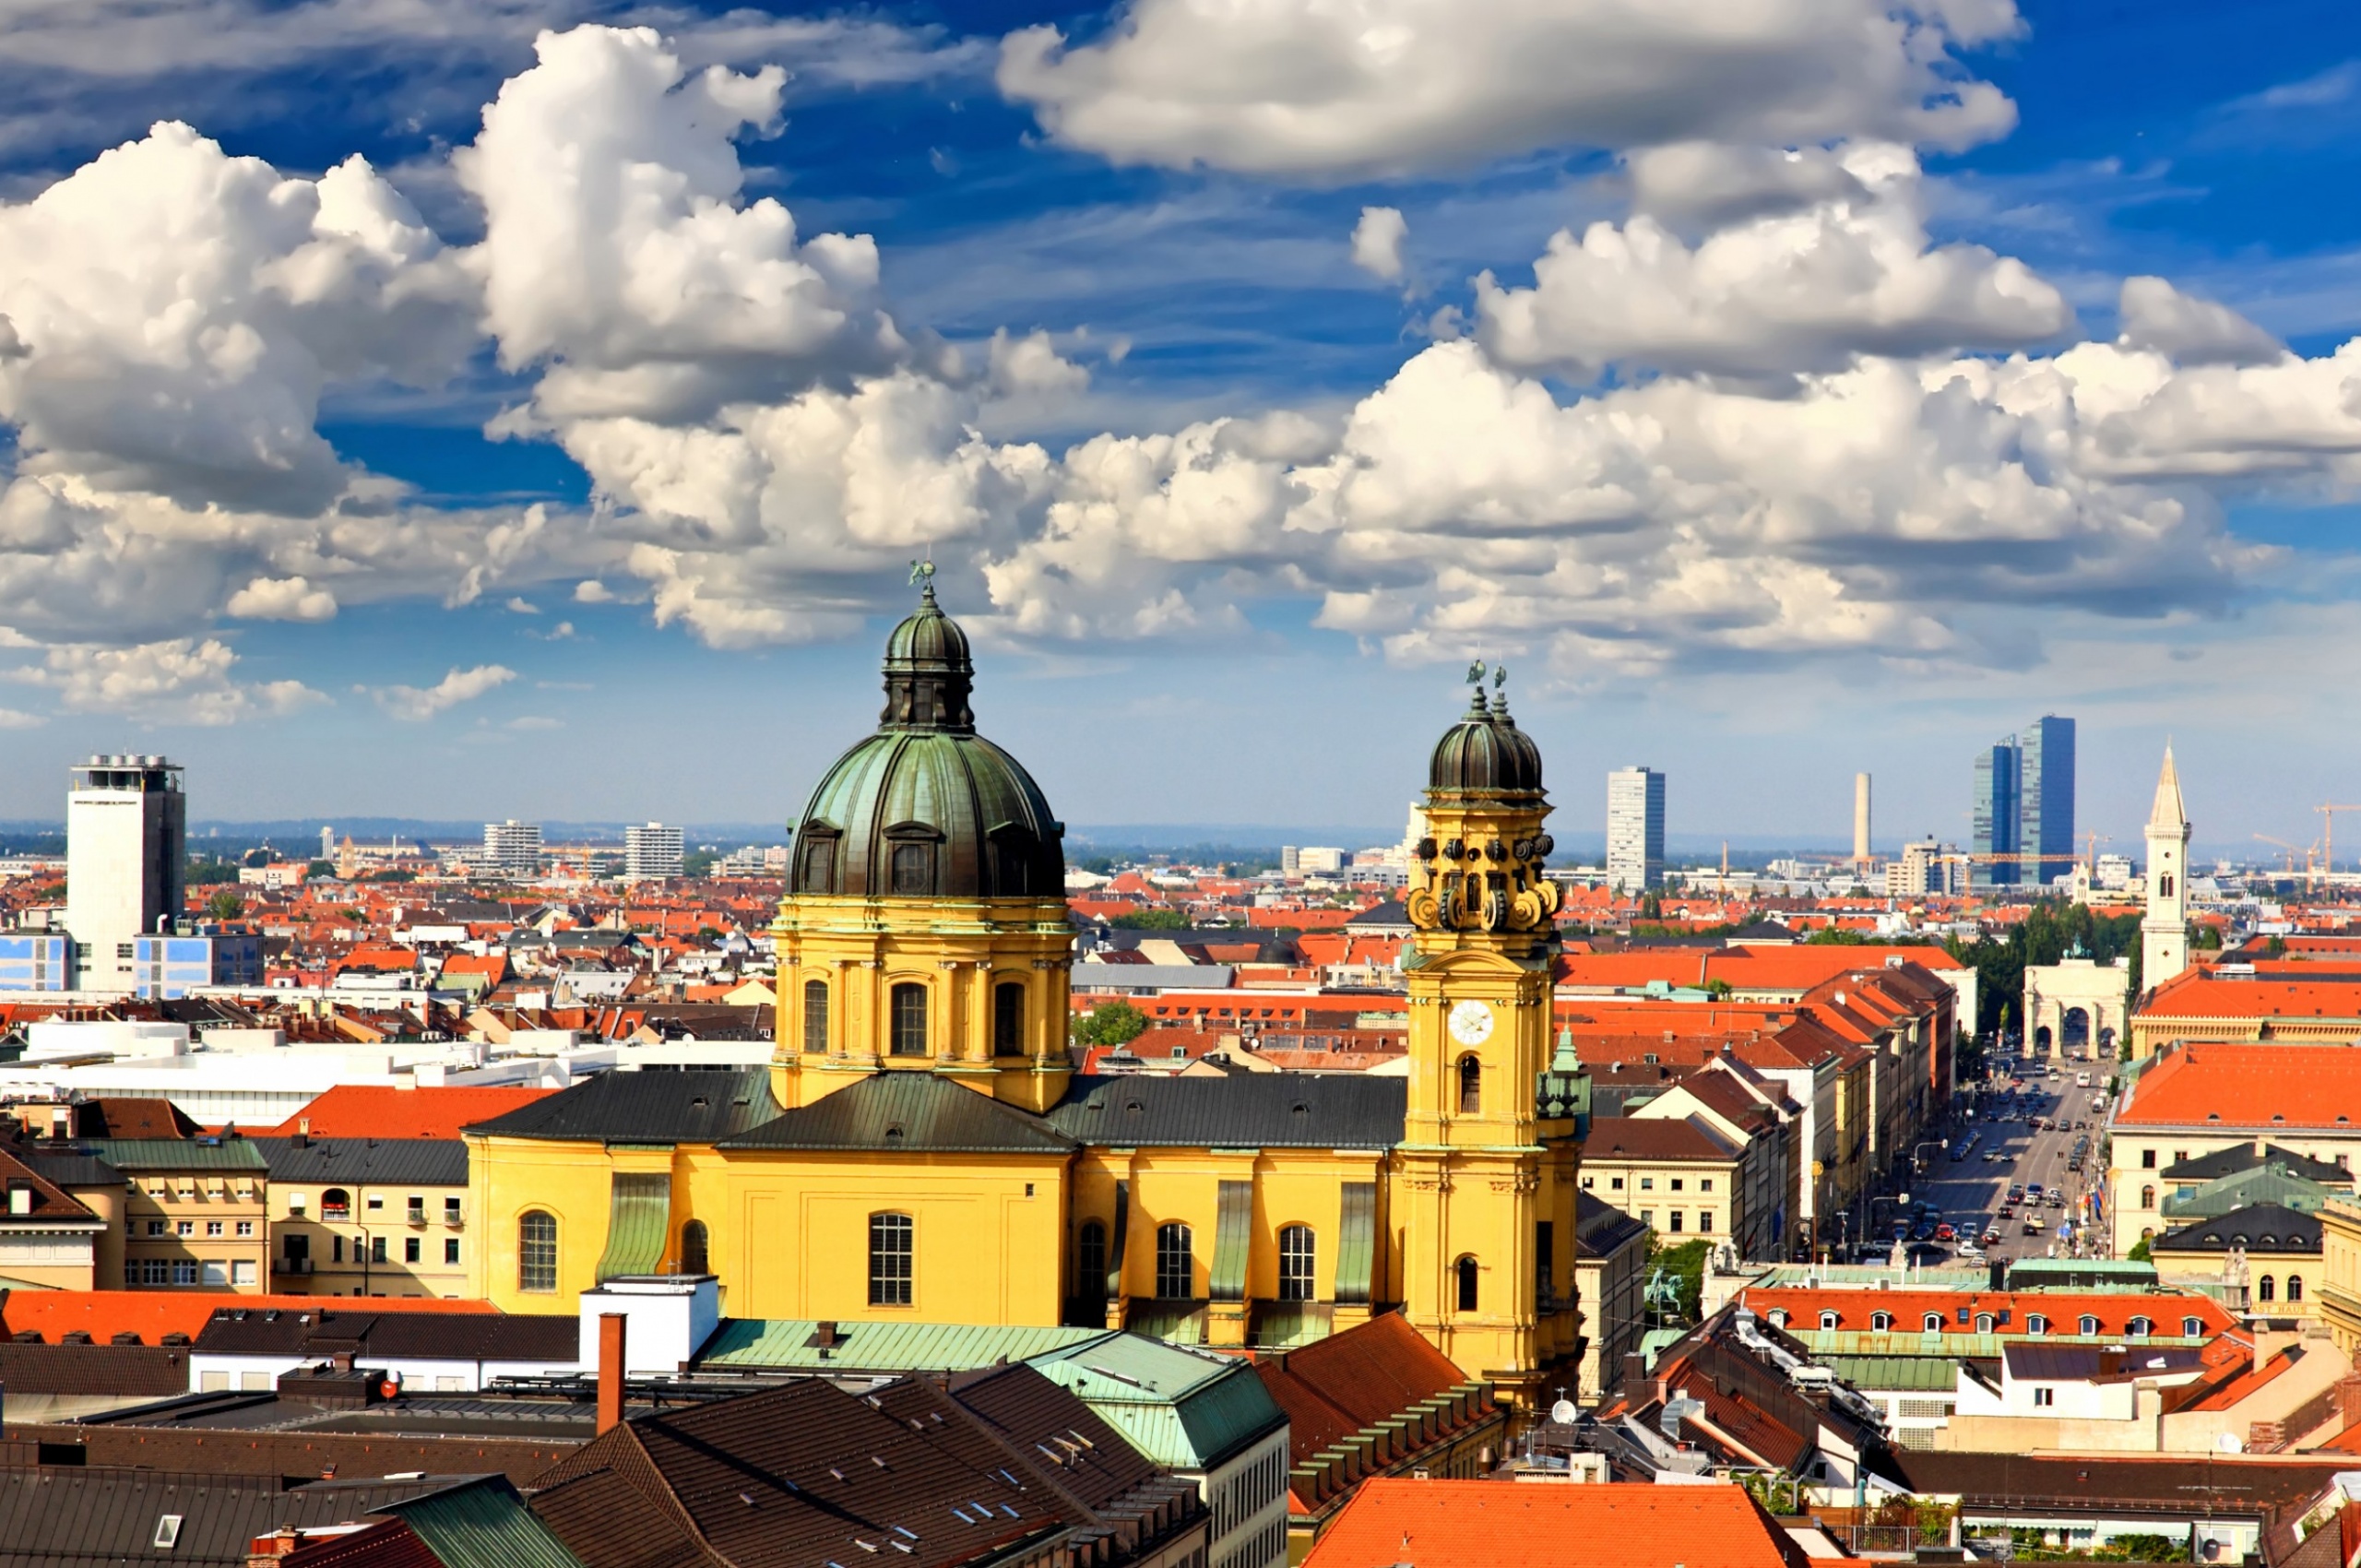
[1317, 90]
[1377, 242]
[178, 681]
[417, 704]
[282, 598]
[2189, 331]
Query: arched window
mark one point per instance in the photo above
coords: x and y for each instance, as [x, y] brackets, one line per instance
[336, 1204]
[2294, 1287]
[2088, 1325]
[1931, 1324]
[815, 1015]
[2264, 1289]
[1008, 1019]
[2036, 1323]
[693, 1248]
[892, 1247]
[1984, 1323]
[2192, 1328]
[908, 1003]
[1468, 1271]
[537, 1252]
[2147, 1197]
[1879, 1322]
[1827, 1320]
[1471, 1086]
[1090, 1261]
[2139, 1327]
[1298, 1255]
[1778, 1317]
[1176, 1263]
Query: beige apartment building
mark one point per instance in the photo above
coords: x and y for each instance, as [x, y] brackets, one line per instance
[369, 1216]
[195, 1215]
[1679, 1177]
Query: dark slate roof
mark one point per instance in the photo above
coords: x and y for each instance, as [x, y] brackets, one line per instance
[703, 1105]
[174, 1154]
[457, 1336]
[152, 1372]
[1386, 916]
[2181, 1485]
[2097, 1363]
[912, 1110]
[55, 1518]
[1249, 1111]
[2263, 1228]
[1600, 1228]
[425, 1162]
[73, 1169]
[2242, 1157]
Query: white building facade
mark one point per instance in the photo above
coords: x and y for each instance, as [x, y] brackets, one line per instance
[126, 859]
[1634, 828]
[512, 847]
[654, 850]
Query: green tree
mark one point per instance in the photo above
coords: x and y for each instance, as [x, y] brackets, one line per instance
[208, 874]
[1685, 1265]
[320, 868]
[1151, 920]
[1836, 936]
[224, 906]
[1110, 1023]
[2209, 938]
[699, 863]
[2139, 1253]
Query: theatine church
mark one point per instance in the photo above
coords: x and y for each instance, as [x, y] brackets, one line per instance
[921, 1147]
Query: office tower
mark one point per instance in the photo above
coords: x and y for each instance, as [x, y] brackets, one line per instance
[328, 843]
[512, 847]
[2164, 930]
[1320, 860]
[652, 851]
[1634, 828]
[1860, 819]
[2045, 799]
[1994, 827]
[127, 861]
[1290, 859]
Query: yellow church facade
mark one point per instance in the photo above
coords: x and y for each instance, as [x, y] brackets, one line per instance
[922, 1147]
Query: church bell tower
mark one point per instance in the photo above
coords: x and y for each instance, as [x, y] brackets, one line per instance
[2164, 930]
[1485, 1196]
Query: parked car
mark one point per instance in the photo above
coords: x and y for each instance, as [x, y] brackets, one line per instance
[1944, 1232]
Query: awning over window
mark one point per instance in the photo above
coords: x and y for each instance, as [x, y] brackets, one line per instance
[1357, 1248]
[639, 1218]
[1232, 1240]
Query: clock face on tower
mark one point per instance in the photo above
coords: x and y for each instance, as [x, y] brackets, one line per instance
[1471, 1022]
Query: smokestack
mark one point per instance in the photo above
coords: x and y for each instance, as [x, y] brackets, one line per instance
[1861, 818]
[611, 1370]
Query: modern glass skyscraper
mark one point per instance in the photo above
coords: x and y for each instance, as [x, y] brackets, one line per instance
[1634, 829]
[1994, 827]
[2046, 796]
[2024, 804]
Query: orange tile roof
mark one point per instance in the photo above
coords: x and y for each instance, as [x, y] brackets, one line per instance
[151, 1315]
[2064, 1311]
[1435, 1523]
[2266, 1086]
[382, 1111]
[2202, 993]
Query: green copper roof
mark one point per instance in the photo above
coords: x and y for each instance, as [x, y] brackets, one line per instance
[2273, 1183]
[639, 1221]
[885, 1347]
[176, 1154]
[483, 1524]
[1185, 1409]
[926, 807]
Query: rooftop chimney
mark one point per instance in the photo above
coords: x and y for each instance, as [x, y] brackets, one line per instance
[611, 1370]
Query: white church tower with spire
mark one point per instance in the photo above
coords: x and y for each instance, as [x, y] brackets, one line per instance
[2163, 930]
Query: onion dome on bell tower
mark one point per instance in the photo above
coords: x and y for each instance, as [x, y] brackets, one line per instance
[1479, 865]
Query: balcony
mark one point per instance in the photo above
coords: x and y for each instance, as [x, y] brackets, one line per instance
[295, 1266]
[452, 1221]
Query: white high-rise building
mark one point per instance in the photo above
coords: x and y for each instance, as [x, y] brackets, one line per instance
[1634, 828]
[328, 843]
[652, 851]
[126, 863]
[512, 847]
[2164, 930]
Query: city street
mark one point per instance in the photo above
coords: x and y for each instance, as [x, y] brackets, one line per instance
[1975, 1187]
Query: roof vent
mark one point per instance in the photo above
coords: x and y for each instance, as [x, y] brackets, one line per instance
[894, 1133]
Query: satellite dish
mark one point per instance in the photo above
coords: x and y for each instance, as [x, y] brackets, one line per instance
[1564, 1413]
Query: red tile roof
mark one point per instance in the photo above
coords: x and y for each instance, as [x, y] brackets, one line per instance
[1437, 1524]
[1854, 1306]
[1335, 1386]
[382, 1111]
[2244, 1085]
[151, 1315]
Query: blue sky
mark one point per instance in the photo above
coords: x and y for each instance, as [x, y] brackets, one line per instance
[1151, 663]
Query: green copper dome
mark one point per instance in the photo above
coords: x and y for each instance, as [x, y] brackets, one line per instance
[926, 807]
[1485, 754]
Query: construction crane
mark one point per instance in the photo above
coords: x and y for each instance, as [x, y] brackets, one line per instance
[2328, 838]
[2310, 854]
[2091, 842]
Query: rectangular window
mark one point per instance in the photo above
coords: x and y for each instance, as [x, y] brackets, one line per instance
[1705, 1219]
[2045, 1396]
[417, 1209]
[2147, 1159]
[450, 1211]
[1545, 1260]
[450, 1249]
[1647, 1216]
[913, 868]
[246, 1228]
[1707, 1185]
[336, 1249]
[158, 1227]
[1008, 1019]
[1298, 1264]
[891, 1248]
[1647, 1183]
[1615, 1183]
[242, 1272]
[213, 1227]
[815, 1015]
[1675, 1183]
[376, 1249]
[184, 1271]
[376, 1204]
[413, 1250]
[1676, 1218]
[1176, 1267]
[155, 1271]
[908, 1003]
[184, 1228]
